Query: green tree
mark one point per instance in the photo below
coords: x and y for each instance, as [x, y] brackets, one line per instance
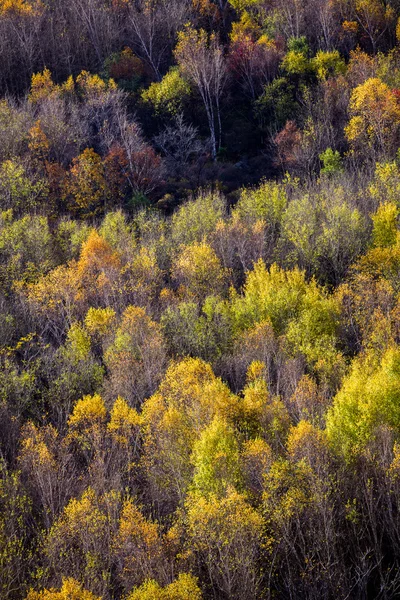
[169, 94]
[366, 402]
[216, 460]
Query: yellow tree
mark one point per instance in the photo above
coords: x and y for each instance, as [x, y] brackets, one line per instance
[185, 587]
[85, 187]
[139, 548]
[199, 272]
[70, 590]
[374, 118]
[79, 543]
[188, 399]
[226, 534]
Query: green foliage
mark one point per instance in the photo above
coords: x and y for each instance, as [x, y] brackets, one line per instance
[266, 202]
[331, 161]
[25, 247]
[272, 294]
[298, 44]
[207, 334]
[18, 190]
[197, 219]
[216, 460]
[169, 94]
[326, 231]
[328, 64]
[277, 104]
[385, 232]
[367, 401]
[117, 232]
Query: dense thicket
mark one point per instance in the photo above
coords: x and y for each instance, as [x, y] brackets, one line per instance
[199, 299]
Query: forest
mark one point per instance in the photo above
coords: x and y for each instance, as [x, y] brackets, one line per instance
[199, 299]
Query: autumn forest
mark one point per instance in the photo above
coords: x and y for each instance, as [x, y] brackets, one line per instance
[199, 299]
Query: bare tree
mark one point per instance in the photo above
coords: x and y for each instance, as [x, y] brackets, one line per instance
[154, 24]
[202, 60]
[179, 143]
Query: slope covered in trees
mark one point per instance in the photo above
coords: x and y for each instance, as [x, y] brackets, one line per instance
[199, 299]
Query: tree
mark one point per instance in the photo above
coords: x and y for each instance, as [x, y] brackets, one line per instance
[79, 543]
[136, 358]
[196, 220]
[140, 548]
[168, 94]
[15, 534]
[185, 587]
[198, 272]
[19, 189]
[188, 399]
[154, 26]
[332, 162]
[85, 188]
[70, 590]
[375, 118]
[374, 17]
[201, 59]
[226, 536]
[273, 294]
[216, 461]
[366, 402]
[255, 62]
[180, 145]
[385, 220]
[46, 467]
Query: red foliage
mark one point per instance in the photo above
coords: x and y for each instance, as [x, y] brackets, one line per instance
[287, 142]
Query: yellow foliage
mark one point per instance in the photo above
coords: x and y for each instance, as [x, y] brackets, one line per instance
[97, 255]
[70, 590]
[34, 447]
[85, 187]
[89, 410]
[60, 289]
[375, 114]
[288, 491]
[306, 441]
[192, 387]
[226, 531]
[394, 469]
[257, 458]
[199, 270]
[94, 84]
[81, 518]
[39, 144]
[135, 530]
[385, 230]
[124, 421]
[385, 186]
[100, 320]
[183, 588]
[350, 27]
[42, 86]
[22, 8]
